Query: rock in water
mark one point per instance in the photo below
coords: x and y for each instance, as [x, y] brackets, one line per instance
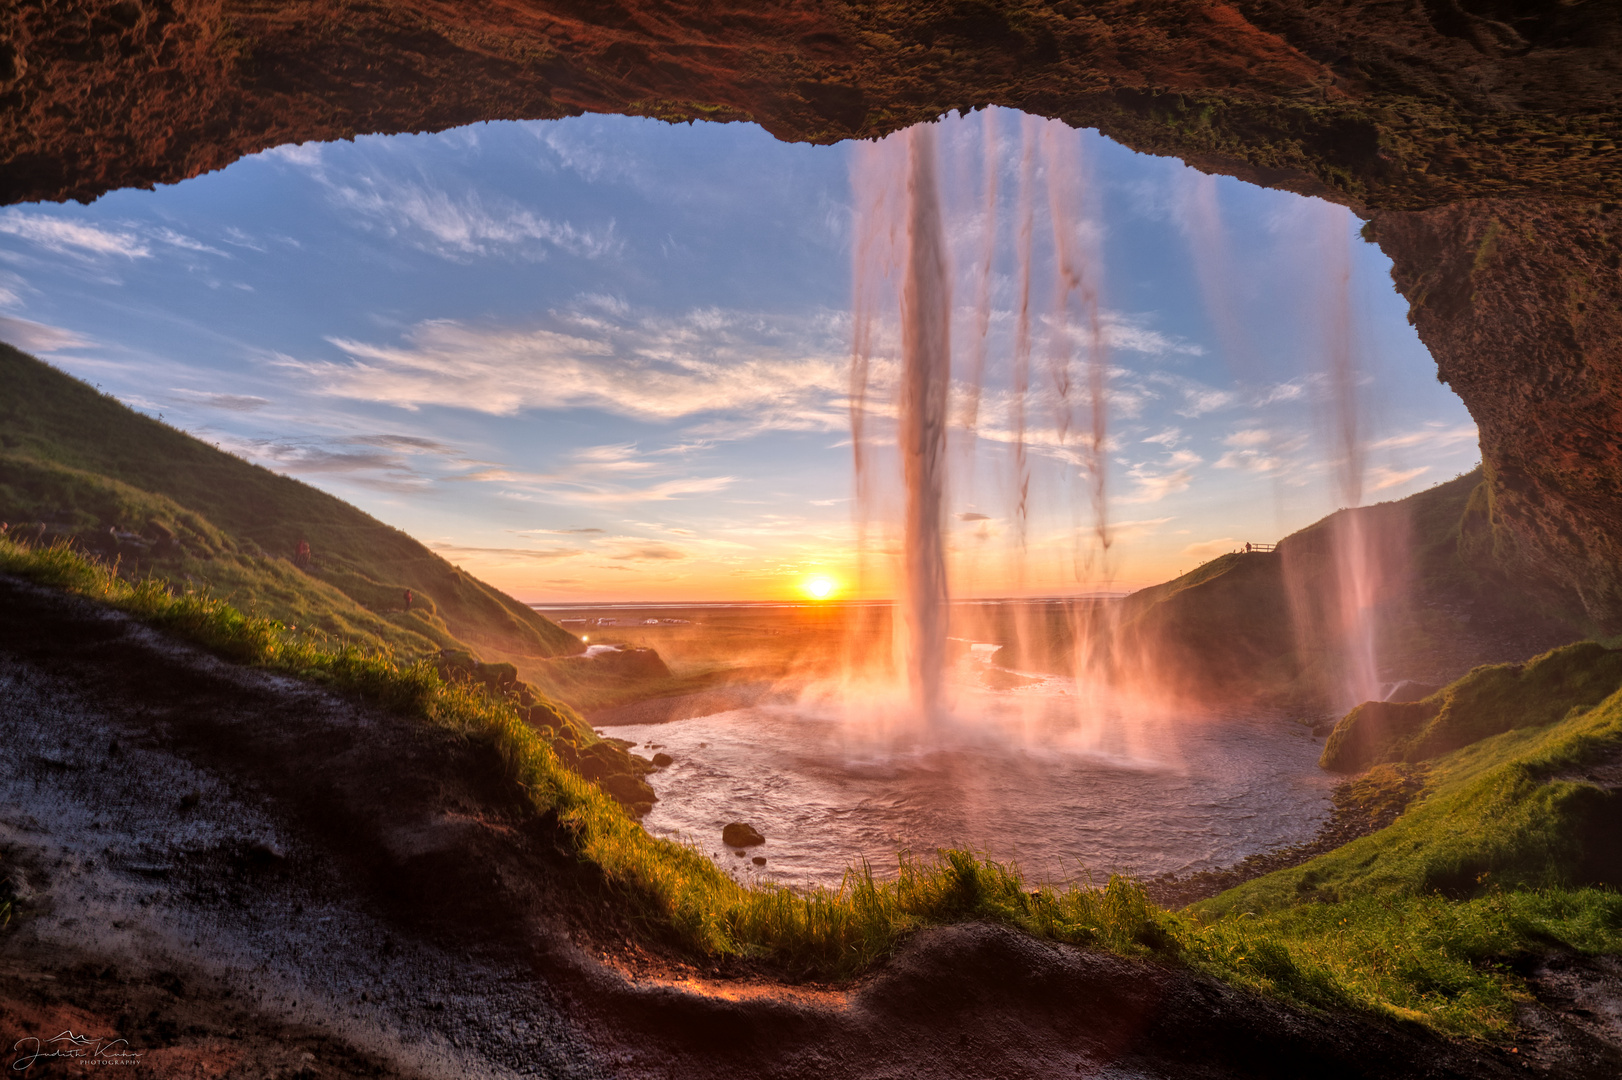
[759, 860]
[737, 835]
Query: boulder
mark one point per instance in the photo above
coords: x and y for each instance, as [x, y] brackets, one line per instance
[739, 835]
[1373, 732]
[631, 792]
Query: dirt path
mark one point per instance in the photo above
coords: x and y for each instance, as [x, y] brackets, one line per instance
[243, 875]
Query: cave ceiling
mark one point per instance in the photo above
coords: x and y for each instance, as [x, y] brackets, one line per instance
[1478, 136]
[1385, 105]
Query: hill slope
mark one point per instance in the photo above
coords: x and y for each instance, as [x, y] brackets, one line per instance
[76, 463]
[1270, 625]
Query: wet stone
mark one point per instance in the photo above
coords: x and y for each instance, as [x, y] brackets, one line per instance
[740, 835]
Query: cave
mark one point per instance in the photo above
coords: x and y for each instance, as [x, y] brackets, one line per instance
[1478, 138]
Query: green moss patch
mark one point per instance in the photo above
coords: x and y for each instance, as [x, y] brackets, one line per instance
[1490, 700]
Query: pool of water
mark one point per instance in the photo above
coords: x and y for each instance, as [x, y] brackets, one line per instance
[1067, 786]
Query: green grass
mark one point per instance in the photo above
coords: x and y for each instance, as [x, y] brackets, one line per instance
[1423, 920]
[675, 890]
[1500, 859]
[1489, 700]
[80, 462]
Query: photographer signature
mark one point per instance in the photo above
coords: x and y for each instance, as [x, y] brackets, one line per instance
[69, 1045]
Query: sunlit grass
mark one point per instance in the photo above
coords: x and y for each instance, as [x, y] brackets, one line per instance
[1363, 927]
[676, 891]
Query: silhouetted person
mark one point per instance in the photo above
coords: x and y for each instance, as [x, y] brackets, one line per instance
[302, 559]
[408, 599]
[1247, 548]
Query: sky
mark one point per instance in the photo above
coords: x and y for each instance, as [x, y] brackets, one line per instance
[608, 359]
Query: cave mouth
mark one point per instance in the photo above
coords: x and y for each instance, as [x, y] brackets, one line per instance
[605, 359]
[601, 313]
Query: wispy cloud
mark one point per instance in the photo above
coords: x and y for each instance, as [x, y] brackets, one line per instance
[747, 369]
[1432, 436]
[1133, 530]
[457, 552]
[647, 552]
[187, 243]
[38, 337]
[1381, 477]
[1128, 332]
[415, 444]
[1261, 451]
[1249, 460]
[388, 462]
[11, 290]
[466, 225]
[566, 488]
[661, 492]
[65, 236]
[1248, 437]
[1198, 399]
[1293, 390]
[617, 458]
[1210, 549]
[1155, 480]
[228, 402]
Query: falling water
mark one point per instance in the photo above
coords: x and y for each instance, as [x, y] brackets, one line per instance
[901, 240]
[1337, 582]
[1106, 747]
[926, 372]
[1356, 572]
[1021, 373]
[988, 255]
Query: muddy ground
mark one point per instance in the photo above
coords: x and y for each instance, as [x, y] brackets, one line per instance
[238, 874]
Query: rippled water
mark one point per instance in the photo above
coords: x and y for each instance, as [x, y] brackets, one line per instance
[1066, 790]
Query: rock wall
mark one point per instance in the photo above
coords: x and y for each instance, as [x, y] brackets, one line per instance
[1520, 302]
[1398, 105]
[1480, 134]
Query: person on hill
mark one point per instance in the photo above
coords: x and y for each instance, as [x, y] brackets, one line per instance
[1247, 547]
[302, 558]
[408, 600]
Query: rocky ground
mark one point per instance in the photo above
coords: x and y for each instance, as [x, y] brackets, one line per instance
[242, 875]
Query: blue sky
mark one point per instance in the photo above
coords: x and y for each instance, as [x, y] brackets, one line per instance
[607, 358]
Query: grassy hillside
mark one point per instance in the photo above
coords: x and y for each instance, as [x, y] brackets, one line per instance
[80, 470]
[1511, 852]
[77, 463]
[1264, 625]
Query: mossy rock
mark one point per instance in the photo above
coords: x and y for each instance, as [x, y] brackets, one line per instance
[1489, 701]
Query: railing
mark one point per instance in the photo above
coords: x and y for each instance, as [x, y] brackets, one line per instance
[1260, 547]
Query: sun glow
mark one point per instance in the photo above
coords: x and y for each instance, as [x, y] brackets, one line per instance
[819, 587]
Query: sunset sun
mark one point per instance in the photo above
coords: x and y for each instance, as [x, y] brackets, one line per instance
[819, 587]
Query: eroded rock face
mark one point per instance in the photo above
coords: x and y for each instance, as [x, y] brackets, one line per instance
[1391, 105]
[1520, 302]
[1482, 134]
